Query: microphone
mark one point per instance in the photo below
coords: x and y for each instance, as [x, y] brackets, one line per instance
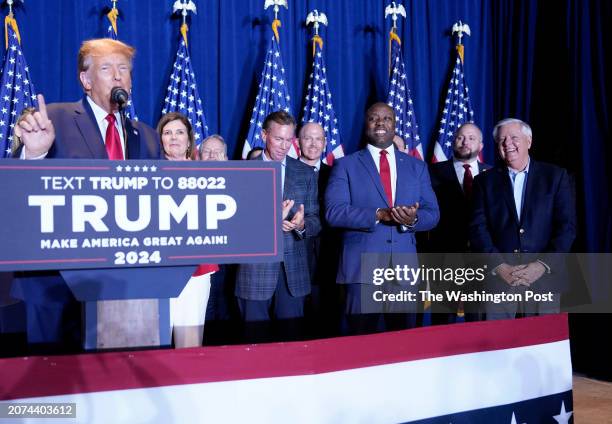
[119, 96]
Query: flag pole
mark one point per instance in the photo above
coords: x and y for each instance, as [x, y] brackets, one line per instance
[394, 10]
[460, 28]
[112, 16]
[276, 22]
[10, 20]
[184, 6]
[316, 19]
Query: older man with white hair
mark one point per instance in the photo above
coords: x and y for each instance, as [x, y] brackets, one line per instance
[524, 219]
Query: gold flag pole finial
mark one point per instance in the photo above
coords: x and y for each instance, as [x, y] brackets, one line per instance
[276, 23]
[316, 18]
[460, 28]
[10, 20]
[112, 15]
[183, 6]
[394, 10]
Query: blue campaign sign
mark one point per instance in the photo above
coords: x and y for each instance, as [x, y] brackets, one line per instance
[70, 214]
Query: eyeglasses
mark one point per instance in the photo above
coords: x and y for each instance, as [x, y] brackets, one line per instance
[216, 154]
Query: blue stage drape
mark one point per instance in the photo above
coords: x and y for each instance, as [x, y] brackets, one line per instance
[545, 62]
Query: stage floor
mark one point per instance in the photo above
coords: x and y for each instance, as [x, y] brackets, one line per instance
[592, 400]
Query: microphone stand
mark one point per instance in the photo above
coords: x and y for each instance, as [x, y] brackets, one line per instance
[123, 129]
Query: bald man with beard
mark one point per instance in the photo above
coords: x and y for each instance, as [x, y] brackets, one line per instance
[452, 182]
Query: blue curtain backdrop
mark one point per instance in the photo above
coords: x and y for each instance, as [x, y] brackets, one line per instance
[545, 62]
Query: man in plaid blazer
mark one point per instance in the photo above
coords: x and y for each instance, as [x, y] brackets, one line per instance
[274, 289]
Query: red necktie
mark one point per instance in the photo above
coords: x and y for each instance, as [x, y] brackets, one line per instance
[468, 179]
[385, 176]
[112, 140]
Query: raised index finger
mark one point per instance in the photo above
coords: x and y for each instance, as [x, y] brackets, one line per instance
[42, 106]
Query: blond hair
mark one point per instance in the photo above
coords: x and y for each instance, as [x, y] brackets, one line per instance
[101, 47]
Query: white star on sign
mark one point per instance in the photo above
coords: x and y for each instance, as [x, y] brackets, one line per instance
[514, 419]
[563, 417]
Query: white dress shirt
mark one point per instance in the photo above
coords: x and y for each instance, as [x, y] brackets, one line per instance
[518, 179]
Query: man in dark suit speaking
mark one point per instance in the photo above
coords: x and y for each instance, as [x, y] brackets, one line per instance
[279, 288]
[379, 196]
[524, 220]
[91, 128]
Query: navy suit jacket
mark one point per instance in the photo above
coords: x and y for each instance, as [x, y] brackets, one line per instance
[451, 234]
[323, 250]
[545, 229]
[258, 281]
[77, 135]
[354, 193]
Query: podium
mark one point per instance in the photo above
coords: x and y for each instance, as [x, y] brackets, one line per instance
[127, 307]
[119, 230]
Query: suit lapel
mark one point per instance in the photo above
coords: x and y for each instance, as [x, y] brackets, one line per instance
[401, 170]
[368, 163]
[450, 175]
[529, 188]
[88, 127]
[133, 140]
[288, 178]
[506, 186]
[483, 167]
[288, 175]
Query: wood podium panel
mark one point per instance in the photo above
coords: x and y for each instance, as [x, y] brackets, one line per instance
[112, 324]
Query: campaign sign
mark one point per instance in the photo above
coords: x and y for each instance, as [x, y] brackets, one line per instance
[67, 214]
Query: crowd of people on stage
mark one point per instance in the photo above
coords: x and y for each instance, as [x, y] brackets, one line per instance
[364, 211]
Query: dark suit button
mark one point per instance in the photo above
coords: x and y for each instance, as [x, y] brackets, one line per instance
[522, 231]
[388, 241]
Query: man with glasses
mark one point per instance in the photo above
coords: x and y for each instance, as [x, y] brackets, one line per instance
[213, 148]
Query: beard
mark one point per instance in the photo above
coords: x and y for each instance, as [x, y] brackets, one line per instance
[469, 155]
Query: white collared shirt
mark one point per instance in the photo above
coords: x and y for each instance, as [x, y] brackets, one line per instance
[460, 170]
[283, 166]
[518, 179]
[375, 152]
[100, 115]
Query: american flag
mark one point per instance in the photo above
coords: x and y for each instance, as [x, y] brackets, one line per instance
[182, 95]
[111, 32]
[17, 91]
[400, 99]
[319, 108]
[273, 95]
[457, 110]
